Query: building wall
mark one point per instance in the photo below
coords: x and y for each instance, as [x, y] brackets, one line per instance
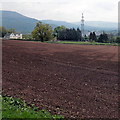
[16, 36]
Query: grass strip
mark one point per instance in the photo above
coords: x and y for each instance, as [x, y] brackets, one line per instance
[82, 43]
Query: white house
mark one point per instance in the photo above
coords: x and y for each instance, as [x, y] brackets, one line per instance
[13, 36]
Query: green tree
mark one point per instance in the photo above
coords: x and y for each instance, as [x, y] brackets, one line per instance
[90, 36]
[86, 38]
[94, 37]
[79, 35]
[57, 30]
[11, 30]
[42, 32]
[118, 40]
[112, 38]
[103, 38]
[27, 36]
[70, 34]
[3, 31]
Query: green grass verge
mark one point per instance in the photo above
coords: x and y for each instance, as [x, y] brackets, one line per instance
[82, 43]
[73, 42]
[16, 108]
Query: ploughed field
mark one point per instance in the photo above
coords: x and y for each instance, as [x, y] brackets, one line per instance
[78, 81]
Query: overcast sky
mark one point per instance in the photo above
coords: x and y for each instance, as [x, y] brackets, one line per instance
[65, 10]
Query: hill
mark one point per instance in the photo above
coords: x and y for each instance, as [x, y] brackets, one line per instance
[20, 22]
[100, 24]
[23, 24]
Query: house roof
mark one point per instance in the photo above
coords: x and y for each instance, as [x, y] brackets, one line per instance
[8, 34]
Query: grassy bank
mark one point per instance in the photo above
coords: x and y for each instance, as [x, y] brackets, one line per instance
[72, 42]
[16, 108]
[82, 43]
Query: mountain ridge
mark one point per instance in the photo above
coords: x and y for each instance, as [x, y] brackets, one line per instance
[23, 24]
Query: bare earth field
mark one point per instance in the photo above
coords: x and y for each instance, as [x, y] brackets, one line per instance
[78, 81]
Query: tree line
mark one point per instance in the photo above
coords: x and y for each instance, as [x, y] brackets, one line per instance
[103, 38]
[44, 32]
[70, 34]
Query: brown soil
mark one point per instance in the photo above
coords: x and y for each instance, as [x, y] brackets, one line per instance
[78, 81]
